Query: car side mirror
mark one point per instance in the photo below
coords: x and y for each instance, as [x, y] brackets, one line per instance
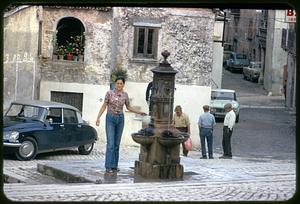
[50, 120]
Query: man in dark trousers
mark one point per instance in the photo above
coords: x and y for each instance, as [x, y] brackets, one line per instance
[206, 125]
[148, 95]
[229, 122]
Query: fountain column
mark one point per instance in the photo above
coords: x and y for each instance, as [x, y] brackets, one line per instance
[160, 141]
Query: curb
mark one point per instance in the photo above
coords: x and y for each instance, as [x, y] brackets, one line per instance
[62, 175]
[10, 179]
[262, 107]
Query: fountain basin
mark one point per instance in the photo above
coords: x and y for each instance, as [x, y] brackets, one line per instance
[170, 141]
[142, 139]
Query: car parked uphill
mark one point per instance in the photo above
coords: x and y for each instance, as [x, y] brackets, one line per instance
[252, 71]
[236, 62]
[32, 127]
[220, 97]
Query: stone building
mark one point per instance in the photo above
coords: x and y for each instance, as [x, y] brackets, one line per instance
[288, 43]
[257, 33]
[129, 38]
[241, 32]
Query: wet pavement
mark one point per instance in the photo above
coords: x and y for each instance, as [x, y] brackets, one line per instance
[216, 179]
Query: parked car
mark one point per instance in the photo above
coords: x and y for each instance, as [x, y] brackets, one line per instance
[252, 72]
[32, 127]
[220, 97]
[226, 56]
[236, 62]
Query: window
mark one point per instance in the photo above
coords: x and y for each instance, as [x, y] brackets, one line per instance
[70, 116]
[73, 99]
[223, 95]
[55, 114]
[69, 39]
[145, 42]
[241, 56]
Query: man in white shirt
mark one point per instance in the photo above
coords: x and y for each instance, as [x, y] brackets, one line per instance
[229, 122]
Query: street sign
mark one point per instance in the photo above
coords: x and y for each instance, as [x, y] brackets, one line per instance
[290, 16]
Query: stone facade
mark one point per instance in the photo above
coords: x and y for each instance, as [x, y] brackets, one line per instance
[241, 32]
[98, 32]
[20, 71]
[257, 33]
[190, 45]
[187, 33]
[276, 57]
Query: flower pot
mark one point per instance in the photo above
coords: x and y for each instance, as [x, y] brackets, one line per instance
[69, 56]
[61, 57]
[80, 58]
[54, 57]
[75, 58]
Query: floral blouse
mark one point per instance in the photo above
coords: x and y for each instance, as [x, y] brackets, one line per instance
[115, 101]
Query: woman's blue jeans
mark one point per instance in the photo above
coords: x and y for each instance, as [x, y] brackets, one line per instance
[114, 129]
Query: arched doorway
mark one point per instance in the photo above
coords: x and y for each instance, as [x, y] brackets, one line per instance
[70, 38]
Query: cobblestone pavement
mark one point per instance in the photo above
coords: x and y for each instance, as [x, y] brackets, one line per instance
[205, 180]
[277, 189]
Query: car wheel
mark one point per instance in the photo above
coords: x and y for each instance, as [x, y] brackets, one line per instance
[27, 150]
[244, 76]
[86, 149]
[237, 118]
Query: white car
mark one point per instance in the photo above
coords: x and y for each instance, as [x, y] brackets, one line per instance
[220, 97]
[252, 71]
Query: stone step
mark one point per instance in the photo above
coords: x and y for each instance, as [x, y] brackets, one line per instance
[28, 175]
[277, 189]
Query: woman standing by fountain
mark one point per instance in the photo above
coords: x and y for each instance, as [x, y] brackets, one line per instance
[114, 101]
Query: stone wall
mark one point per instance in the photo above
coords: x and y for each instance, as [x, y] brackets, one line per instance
[276, 57]
[20, 71]
[186, 33]
[96, 66]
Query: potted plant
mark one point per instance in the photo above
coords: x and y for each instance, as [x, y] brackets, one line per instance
[69, 50]
[80, 54]
[75, 53]
[79, 43]
[61, 52]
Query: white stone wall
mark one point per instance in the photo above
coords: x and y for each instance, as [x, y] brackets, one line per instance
[276, 57]
[191, 98]
[217, 68]
[20, 58]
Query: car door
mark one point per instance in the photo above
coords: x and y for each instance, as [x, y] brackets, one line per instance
[56, 135]
[72, 129]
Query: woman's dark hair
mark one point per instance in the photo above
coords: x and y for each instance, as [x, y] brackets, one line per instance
[120, 78]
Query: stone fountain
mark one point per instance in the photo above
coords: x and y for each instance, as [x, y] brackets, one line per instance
[160, 141]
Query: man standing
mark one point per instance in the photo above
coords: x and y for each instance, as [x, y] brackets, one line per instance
[181, 122]
[148, 95]
[206, 124]
[229, 122]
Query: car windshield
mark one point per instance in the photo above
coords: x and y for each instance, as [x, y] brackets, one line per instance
[25, 112]
[241, 56]
[255, 65]
[217, 95]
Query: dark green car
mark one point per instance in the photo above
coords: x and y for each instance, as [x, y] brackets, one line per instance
[32, 127]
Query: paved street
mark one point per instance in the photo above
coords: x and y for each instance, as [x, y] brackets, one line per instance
[204, 180]
[263, 165]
